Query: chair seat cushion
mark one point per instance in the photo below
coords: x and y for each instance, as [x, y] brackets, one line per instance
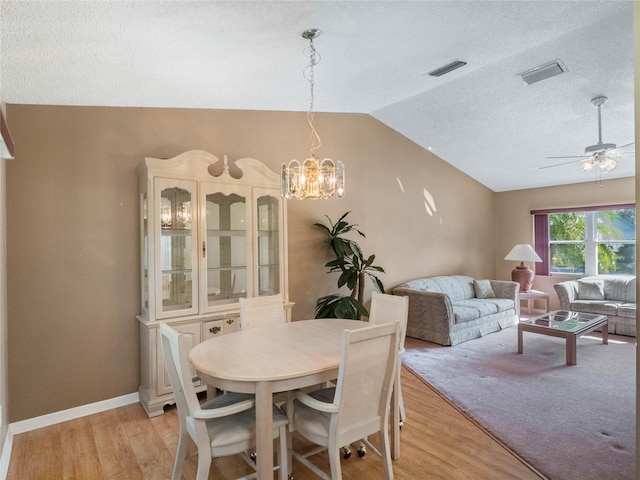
[226, 399]
[240, 427]
[313, 421]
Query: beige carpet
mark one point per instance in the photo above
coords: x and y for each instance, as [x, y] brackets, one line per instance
[571, 423]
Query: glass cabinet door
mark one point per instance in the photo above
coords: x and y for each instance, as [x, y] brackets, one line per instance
[176, 257]
[268, 243]
[225, 248]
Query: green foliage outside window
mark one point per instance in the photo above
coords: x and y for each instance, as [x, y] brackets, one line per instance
[570, 226]
[567, 232]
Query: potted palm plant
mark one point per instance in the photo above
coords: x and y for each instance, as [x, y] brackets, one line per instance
[354, 268]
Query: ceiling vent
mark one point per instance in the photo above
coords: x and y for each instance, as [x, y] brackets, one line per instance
[543, 72]
[449, 67]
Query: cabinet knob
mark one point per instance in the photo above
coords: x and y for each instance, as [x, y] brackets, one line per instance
[230, 321]
[215, 330]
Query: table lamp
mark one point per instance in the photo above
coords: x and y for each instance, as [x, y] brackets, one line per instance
[522, 273]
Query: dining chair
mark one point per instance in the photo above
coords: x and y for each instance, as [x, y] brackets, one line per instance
[392, 308]
[220, 427]
[358, 406]
[261, 311]
[388, 308]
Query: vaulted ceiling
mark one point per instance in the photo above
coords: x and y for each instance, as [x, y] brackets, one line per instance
[375, 56]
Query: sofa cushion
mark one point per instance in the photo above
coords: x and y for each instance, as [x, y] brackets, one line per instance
[457, 287]
[502, 304]
[482, 307]
[464, 314]
[483, 289]
[630, 295]
[590, 289]
[598, 307]
[616, 287]
[627, 310]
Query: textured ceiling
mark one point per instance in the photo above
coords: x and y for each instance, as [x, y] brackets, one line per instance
[249, 55]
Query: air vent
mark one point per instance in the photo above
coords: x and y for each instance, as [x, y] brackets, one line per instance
[543, 72]
[449, 67]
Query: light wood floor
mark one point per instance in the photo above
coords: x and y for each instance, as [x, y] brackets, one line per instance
[438, 442]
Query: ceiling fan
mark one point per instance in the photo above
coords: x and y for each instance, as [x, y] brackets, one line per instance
[604, 156]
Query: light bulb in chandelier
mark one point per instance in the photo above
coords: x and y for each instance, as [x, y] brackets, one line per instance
[313, 178]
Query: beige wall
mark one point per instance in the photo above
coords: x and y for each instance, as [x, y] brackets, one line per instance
[73, 267]
[514, 223]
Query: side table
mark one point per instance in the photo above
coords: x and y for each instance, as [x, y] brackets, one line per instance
[531, 296]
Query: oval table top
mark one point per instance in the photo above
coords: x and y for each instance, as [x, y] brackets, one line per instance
[277, 352]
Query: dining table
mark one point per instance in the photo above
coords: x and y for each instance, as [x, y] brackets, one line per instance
[279, 358]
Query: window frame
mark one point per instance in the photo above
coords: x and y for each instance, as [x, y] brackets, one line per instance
[542, 242]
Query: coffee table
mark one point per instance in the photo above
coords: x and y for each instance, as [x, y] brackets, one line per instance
[567, 325]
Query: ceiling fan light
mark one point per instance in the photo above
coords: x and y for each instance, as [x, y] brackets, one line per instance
[609, 164]
[587, 165]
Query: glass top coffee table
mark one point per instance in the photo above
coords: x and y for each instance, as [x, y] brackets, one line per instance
[567, 325]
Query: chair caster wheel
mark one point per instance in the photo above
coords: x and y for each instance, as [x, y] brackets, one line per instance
[253, 456]
[362, 452]
[346, 452]
[290, 477]
[401, 424]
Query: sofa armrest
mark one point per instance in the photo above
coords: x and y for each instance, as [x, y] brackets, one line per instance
[433, 308]
[505, 289]
[567, 293]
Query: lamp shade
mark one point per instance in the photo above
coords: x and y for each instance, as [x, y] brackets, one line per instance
[523, 252]
[522, 273]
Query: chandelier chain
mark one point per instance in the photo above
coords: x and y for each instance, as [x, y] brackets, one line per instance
[308, 73]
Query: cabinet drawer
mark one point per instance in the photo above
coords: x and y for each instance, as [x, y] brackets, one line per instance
[230, 325]
[213, 328]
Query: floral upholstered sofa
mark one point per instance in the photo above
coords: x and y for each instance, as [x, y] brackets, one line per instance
[610, 295]
[455, 308]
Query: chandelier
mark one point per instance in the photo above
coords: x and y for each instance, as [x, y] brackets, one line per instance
[313, 178]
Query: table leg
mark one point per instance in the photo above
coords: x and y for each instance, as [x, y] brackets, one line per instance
[571, 349]
[605, 333]
[264, 427]
[520, 346]
[395, 417]
[529, 306]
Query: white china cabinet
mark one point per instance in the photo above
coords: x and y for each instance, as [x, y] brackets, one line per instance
[208, 238]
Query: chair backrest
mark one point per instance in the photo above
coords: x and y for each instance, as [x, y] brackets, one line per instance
[261, 311]
[365, 381]
[175, 348]
[390, 308]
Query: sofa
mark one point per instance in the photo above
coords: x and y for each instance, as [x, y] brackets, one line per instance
[451, 309]
[610, 295]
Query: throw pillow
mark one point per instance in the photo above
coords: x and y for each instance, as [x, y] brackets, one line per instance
[592, 290]
[483, 289]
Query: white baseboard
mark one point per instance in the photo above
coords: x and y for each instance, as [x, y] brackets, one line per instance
[58, 417]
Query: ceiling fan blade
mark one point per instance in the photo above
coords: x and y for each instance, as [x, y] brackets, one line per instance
[558, 164]
[572, 156]
[622, 146]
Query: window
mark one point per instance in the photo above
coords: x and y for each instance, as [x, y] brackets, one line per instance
[589, 241]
